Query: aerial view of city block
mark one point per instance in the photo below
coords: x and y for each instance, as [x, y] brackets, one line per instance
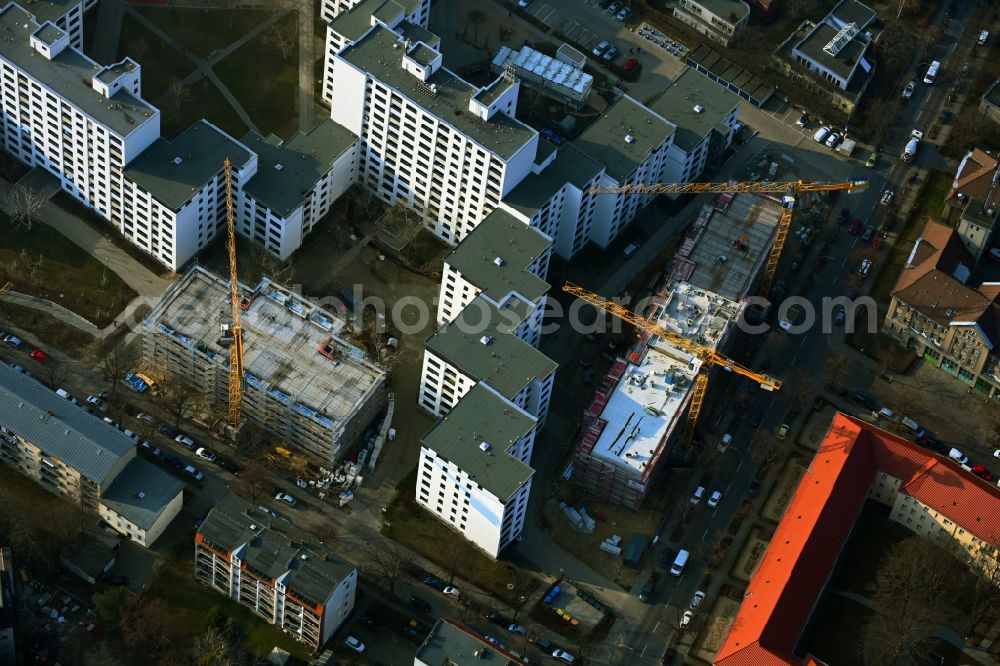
[509, 332]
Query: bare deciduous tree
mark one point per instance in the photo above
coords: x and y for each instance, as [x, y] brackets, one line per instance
[836, 369]
[118, 362]
[178, 398]
[389, 560]
[252, 482]
[22, 203]
[284, 38]
[55, 371]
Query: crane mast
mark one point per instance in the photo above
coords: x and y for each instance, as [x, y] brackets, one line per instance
[235, 326]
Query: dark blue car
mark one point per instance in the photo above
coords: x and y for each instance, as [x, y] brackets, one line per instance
[173, 461]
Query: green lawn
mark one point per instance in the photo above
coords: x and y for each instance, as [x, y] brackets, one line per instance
[160, 62]
[190, 601]
[202, 100]
[203, 31]
[42, 262]
[265, 81]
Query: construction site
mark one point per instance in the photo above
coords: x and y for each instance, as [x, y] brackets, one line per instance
[642, 404]
[303, 382]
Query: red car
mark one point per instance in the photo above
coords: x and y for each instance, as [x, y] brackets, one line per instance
[855, 227]
[982, 472]
[820, 263]
[38, 355]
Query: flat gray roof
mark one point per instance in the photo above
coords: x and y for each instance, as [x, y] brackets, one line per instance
[114, 70]
[730, 73]
[449, 644]
[677, 104]
[724, 8]
[422, 53]
[481, 416]
[286, 172]
[61, 429]
[69, 75]
[272, 547]
[501, 236]
[507, 363]
[356, 21]
[173, 171]
[605, 139]
[141, 492]
[852, 11]
[846, 60]
[48, 33]
[416, 33]
[376, 55]
[52, 10]
[571, 165]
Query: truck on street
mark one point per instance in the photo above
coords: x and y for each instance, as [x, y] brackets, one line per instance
[911, 146]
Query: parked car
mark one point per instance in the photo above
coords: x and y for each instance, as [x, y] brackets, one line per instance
[623, 14]
[229, 465]
[63, 393]
[351, 641]
[167, 430]
[451, 592]
[872, 159]
[887, 197]
[131, 435]
[868, 235]
[562, 655]
[185, 440]
[436, 583]
[38, 355]
[542, 643]
[782, 431]
[601, 48]
[666, 559]
[820, 263]
[613, 7]
[982, 472]
[908, 90]
[97, 402]
[173, 461]
[610, 54]
[754, 488]
[832, 140]
[13, 341]
[120, 580]
[696, 600]
[286, 498]
[865, 268]
[821, 134]
[713, 501]
[518, 629]
[960, 457]
[855, 227]
[193, 471]
[646, 591]
[498, 619]
[864, 400]
[420, 604]
[552, 136]
[803, 120]
[631, 64]
[686, 618]
[205, 454]
[151, 449]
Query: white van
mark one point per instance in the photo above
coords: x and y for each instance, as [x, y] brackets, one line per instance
[699, 492]
[821, 134]
[932, 72]
[677, 568]
[983, 36]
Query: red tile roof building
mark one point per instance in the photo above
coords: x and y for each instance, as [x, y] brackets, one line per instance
[974, 200]
[936, 313]
[928, 493]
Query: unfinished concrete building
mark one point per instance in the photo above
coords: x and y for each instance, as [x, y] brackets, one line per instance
[310, 388]
[639, 410]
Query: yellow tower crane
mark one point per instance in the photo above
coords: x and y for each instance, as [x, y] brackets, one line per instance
[787, 188]
[708, 356]
[235, 327]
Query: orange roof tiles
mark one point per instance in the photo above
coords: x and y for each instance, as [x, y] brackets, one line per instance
[798, 562]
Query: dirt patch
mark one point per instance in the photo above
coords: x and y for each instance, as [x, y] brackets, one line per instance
[751, 555]
[784, 489]
[42, 262]
[716, 628]
[893, 356]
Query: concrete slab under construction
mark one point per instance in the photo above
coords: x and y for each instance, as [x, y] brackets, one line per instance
[303, 382]
[728, 243]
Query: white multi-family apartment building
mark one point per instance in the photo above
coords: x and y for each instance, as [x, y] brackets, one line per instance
[501, 259]
[295, 185]
[67, 15]
[174, 193]
[65, 113]
[76, 455]
[442, 146]
[349, 20]
[485, 343]
[281, 573]
[719, 20]
[704, 113]
[473, 472]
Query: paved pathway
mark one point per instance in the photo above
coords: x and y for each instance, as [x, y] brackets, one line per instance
[307, 63]
[137, 276]
[204, 66]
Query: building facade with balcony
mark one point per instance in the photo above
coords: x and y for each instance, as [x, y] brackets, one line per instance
[937, 313]
[279, 572]
[719, 20]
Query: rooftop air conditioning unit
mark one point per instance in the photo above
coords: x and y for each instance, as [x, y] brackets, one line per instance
[698, 108]
[629, 138]
[485, 339]
[484, 447]
[498, 261]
